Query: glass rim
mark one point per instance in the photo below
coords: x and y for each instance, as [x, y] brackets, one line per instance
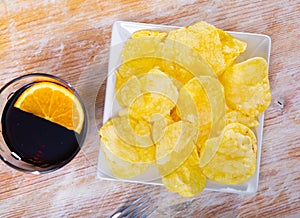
[36, 74]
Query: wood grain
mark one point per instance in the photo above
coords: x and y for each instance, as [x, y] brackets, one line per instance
[70, 39]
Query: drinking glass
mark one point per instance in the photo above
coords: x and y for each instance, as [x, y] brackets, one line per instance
[61, 151]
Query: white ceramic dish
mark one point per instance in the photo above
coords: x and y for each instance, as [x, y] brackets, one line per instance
[257, 45]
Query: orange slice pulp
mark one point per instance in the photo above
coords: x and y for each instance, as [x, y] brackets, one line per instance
[52, 102]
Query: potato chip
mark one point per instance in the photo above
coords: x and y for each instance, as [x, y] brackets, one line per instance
[177, 52]
[148, 33]
[247, 86]
[188, 179]
[121, 168]
[177, 73]
[137, 66]
[194, 106]
[154, 81]
[215, 93]
[122, 150]
[231, 47]
[234, 116]
[204, 38]
[148, 105]
[136, 132]
[217, 48]
[235, 160]
[208, 98]
[175, 146]
[209, 149]
[141, 48]
[139, 55]
[120, 80]
[129, 90]
[158, 126]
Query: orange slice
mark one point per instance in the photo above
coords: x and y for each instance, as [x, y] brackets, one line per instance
[54, 103]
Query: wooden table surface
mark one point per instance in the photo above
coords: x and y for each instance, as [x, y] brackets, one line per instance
[70, 39]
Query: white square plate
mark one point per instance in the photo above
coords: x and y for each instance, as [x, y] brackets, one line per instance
[257, 45]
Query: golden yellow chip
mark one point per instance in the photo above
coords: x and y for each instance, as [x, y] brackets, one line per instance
[247, 86]
[218, 48]
[120, 80]
[148, 105]
[129, 90]
[202, 102]
[158, 126]
[121, 168]
[177, 73]
[135, 67]
[209, 150]
[139, 55]
[123, 150]
[235, 160]
[143, 47]
[194, 106]
[154, 82]
[175, 146]
[215, 93]
[177, 52]
[148, 33]
[204, 38]
[234, 116]
[136, 132]
[231, 47]
[188, 179]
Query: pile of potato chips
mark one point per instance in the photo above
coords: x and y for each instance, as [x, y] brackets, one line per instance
[188, 109]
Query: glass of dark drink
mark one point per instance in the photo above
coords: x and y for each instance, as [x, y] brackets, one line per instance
[43, 123]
